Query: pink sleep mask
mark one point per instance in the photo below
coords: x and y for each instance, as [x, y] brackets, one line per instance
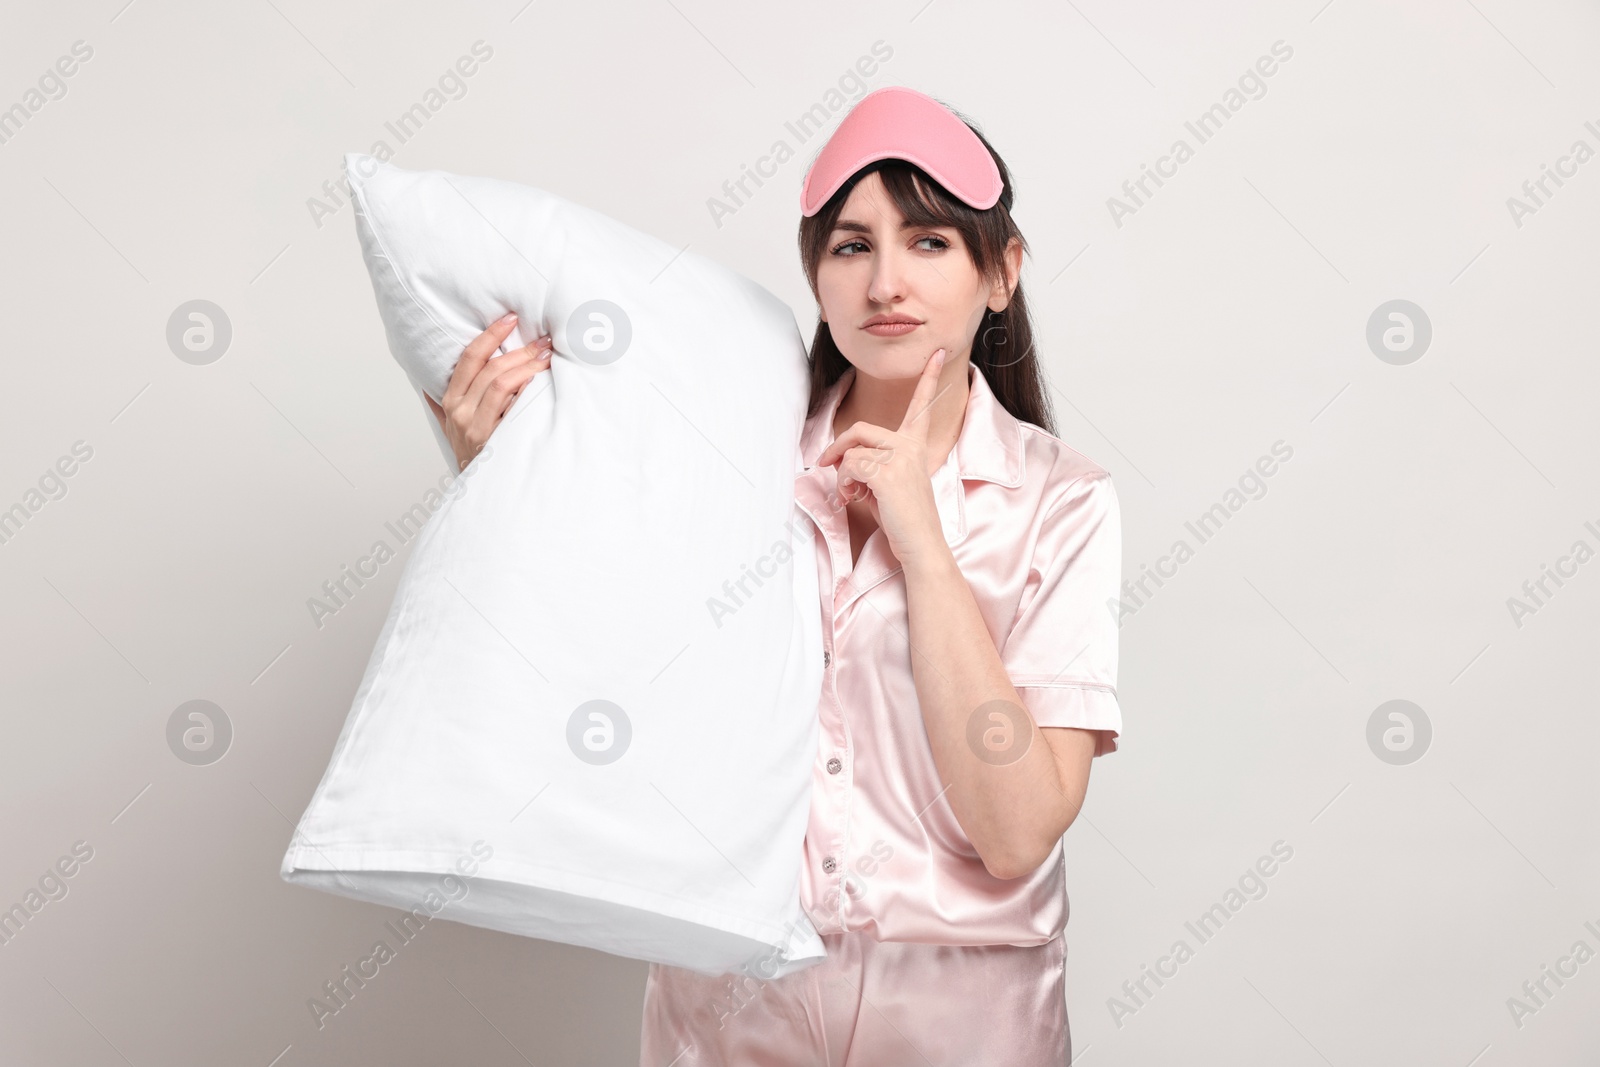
[899, 123]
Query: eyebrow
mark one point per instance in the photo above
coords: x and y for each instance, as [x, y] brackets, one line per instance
[853, 226]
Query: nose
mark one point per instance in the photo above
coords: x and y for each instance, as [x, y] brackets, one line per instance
[888, 285]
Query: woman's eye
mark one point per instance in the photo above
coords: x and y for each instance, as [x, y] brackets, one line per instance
[939, 245]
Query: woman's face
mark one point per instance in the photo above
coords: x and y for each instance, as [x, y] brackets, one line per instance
[874, 266]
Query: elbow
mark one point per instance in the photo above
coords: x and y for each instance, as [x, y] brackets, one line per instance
[1003, 872]
[1015, 863]
[1018, 859]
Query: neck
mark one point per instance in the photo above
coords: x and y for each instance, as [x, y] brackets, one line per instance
[884, 402]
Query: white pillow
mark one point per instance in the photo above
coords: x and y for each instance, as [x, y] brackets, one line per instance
[629, 536]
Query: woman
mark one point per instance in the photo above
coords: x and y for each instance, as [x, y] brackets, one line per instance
[969, 564]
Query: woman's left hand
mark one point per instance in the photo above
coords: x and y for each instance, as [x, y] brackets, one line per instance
[891, 469]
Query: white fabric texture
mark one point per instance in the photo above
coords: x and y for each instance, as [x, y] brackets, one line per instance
[629, 536]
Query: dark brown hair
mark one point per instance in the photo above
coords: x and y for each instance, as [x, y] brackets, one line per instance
[1003, 348]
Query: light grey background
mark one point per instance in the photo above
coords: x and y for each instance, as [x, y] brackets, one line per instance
[1227, 313]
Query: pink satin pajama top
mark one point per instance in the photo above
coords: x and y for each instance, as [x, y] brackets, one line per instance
[1036, 531]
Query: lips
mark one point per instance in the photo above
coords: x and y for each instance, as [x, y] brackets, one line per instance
[890, 325]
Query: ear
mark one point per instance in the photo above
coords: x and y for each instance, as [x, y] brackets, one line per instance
[1000, 292]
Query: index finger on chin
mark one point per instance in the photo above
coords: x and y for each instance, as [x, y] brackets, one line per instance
[919, 411]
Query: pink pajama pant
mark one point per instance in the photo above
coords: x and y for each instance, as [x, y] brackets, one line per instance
[869, 1004]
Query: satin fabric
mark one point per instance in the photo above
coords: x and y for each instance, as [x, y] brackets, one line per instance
[965, 966]
[1036, 531]
[869, 1004]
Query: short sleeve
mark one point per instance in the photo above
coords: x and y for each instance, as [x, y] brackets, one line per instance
[1061, 653]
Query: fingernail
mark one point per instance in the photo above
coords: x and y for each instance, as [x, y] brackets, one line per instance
[939, 355]
[510, 316]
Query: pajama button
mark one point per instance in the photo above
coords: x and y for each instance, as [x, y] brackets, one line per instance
[834, 766]
[829, 865]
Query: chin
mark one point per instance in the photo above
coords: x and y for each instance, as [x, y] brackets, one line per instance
[888, 362]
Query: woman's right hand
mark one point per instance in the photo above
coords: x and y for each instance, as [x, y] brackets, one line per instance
[481, 389]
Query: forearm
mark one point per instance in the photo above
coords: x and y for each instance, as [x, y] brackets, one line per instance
[1010, 807]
